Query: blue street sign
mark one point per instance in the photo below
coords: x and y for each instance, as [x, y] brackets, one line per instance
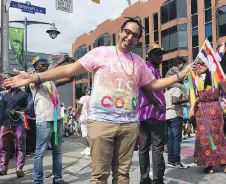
[27, 7]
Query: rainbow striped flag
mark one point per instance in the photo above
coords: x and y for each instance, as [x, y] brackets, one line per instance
[208, 56]
[191, 82]
[220, 52]
[23, 117]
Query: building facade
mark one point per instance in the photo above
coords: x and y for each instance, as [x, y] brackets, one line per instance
[179, 26]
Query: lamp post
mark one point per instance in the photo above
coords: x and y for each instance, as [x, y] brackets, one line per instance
[52, 31]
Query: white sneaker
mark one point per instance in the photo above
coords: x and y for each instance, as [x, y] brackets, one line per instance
[86, 151]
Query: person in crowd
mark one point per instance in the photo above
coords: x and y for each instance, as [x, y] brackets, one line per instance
[223, 95]
[174, 118]
[82, 113]
[187, 126]
[152, 125]
[209, 118]
[113, 124]
[13, 126]
[44, 111]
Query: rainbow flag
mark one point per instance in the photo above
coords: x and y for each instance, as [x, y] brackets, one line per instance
[24, 119]
[191, 82]
[220, 52]
[208, 56]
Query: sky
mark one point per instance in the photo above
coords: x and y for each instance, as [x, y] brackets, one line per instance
[85, 17]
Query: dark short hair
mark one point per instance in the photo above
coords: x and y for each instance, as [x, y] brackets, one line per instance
[179, 60]
[134, 20]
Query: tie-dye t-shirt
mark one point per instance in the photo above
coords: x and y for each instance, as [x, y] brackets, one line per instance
[115, 87]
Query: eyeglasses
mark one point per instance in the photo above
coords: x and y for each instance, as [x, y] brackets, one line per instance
[129, 32]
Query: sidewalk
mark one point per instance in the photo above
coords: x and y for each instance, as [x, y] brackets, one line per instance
[77, 168]
[73, 162]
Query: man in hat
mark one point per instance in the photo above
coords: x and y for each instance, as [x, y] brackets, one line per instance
[152, 124]
[44, 111]
[174, 116]
[13, 128]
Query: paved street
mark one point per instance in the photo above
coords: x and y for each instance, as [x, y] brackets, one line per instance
[77, 168]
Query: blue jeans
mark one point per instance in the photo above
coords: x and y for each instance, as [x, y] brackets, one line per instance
[45, 134]
[174, 139]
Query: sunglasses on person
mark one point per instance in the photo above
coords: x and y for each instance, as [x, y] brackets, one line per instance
[201, 64]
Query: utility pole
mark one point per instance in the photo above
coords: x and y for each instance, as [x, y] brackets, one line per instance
[4, 67]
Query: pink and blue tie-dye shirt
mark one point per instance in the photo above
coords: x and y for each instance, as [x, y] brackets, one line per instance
[147, 110]
[115, 87]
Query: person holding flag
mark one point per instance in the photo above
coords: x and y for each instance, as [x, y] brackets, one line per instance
[210, 143]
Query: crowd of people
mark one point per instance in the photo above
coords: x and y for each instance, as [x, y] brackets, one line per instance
[130, 105]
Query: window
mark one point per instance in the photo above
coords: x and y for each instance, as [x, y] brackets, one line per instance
[173, 9]
[156, 27]
[113, 39]
[194, 20]
[208, 20]
[195, 42]
[208, 15]
[174, 38]
[221, 23]
[164, 14]
[103, 40]
[182, 36]
[207, 4]
[194, 7]
[81, 51]
[172, 6]
[194, 15]
[208, 31]
[181, 8]
[146, 28]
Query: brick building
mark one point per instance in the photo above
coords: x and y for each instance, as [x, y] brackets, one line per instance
[179, 26]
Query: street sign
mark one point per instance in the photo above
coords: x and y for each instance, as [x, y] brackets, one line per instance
[64, 5]
[27, 7]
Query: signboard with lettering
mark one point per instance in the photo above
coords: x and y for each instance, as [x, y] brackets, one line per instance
[27, 7]
[64, 5]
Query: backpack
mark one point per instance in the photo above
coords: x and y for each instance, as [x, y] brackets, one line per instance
[30, 109]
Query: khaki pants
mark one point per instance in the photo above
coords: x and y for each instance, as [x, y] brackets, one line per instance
[112, 146]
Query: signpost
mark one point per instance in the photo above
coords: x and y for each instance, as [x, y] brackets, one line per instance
[27, 7]
[65, 5]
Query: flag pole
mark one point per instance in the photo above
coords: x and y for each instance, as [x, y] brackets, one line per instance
[197, 58]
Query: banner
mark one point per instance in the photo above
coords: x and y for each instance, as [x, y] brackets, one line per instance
[16, 38]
